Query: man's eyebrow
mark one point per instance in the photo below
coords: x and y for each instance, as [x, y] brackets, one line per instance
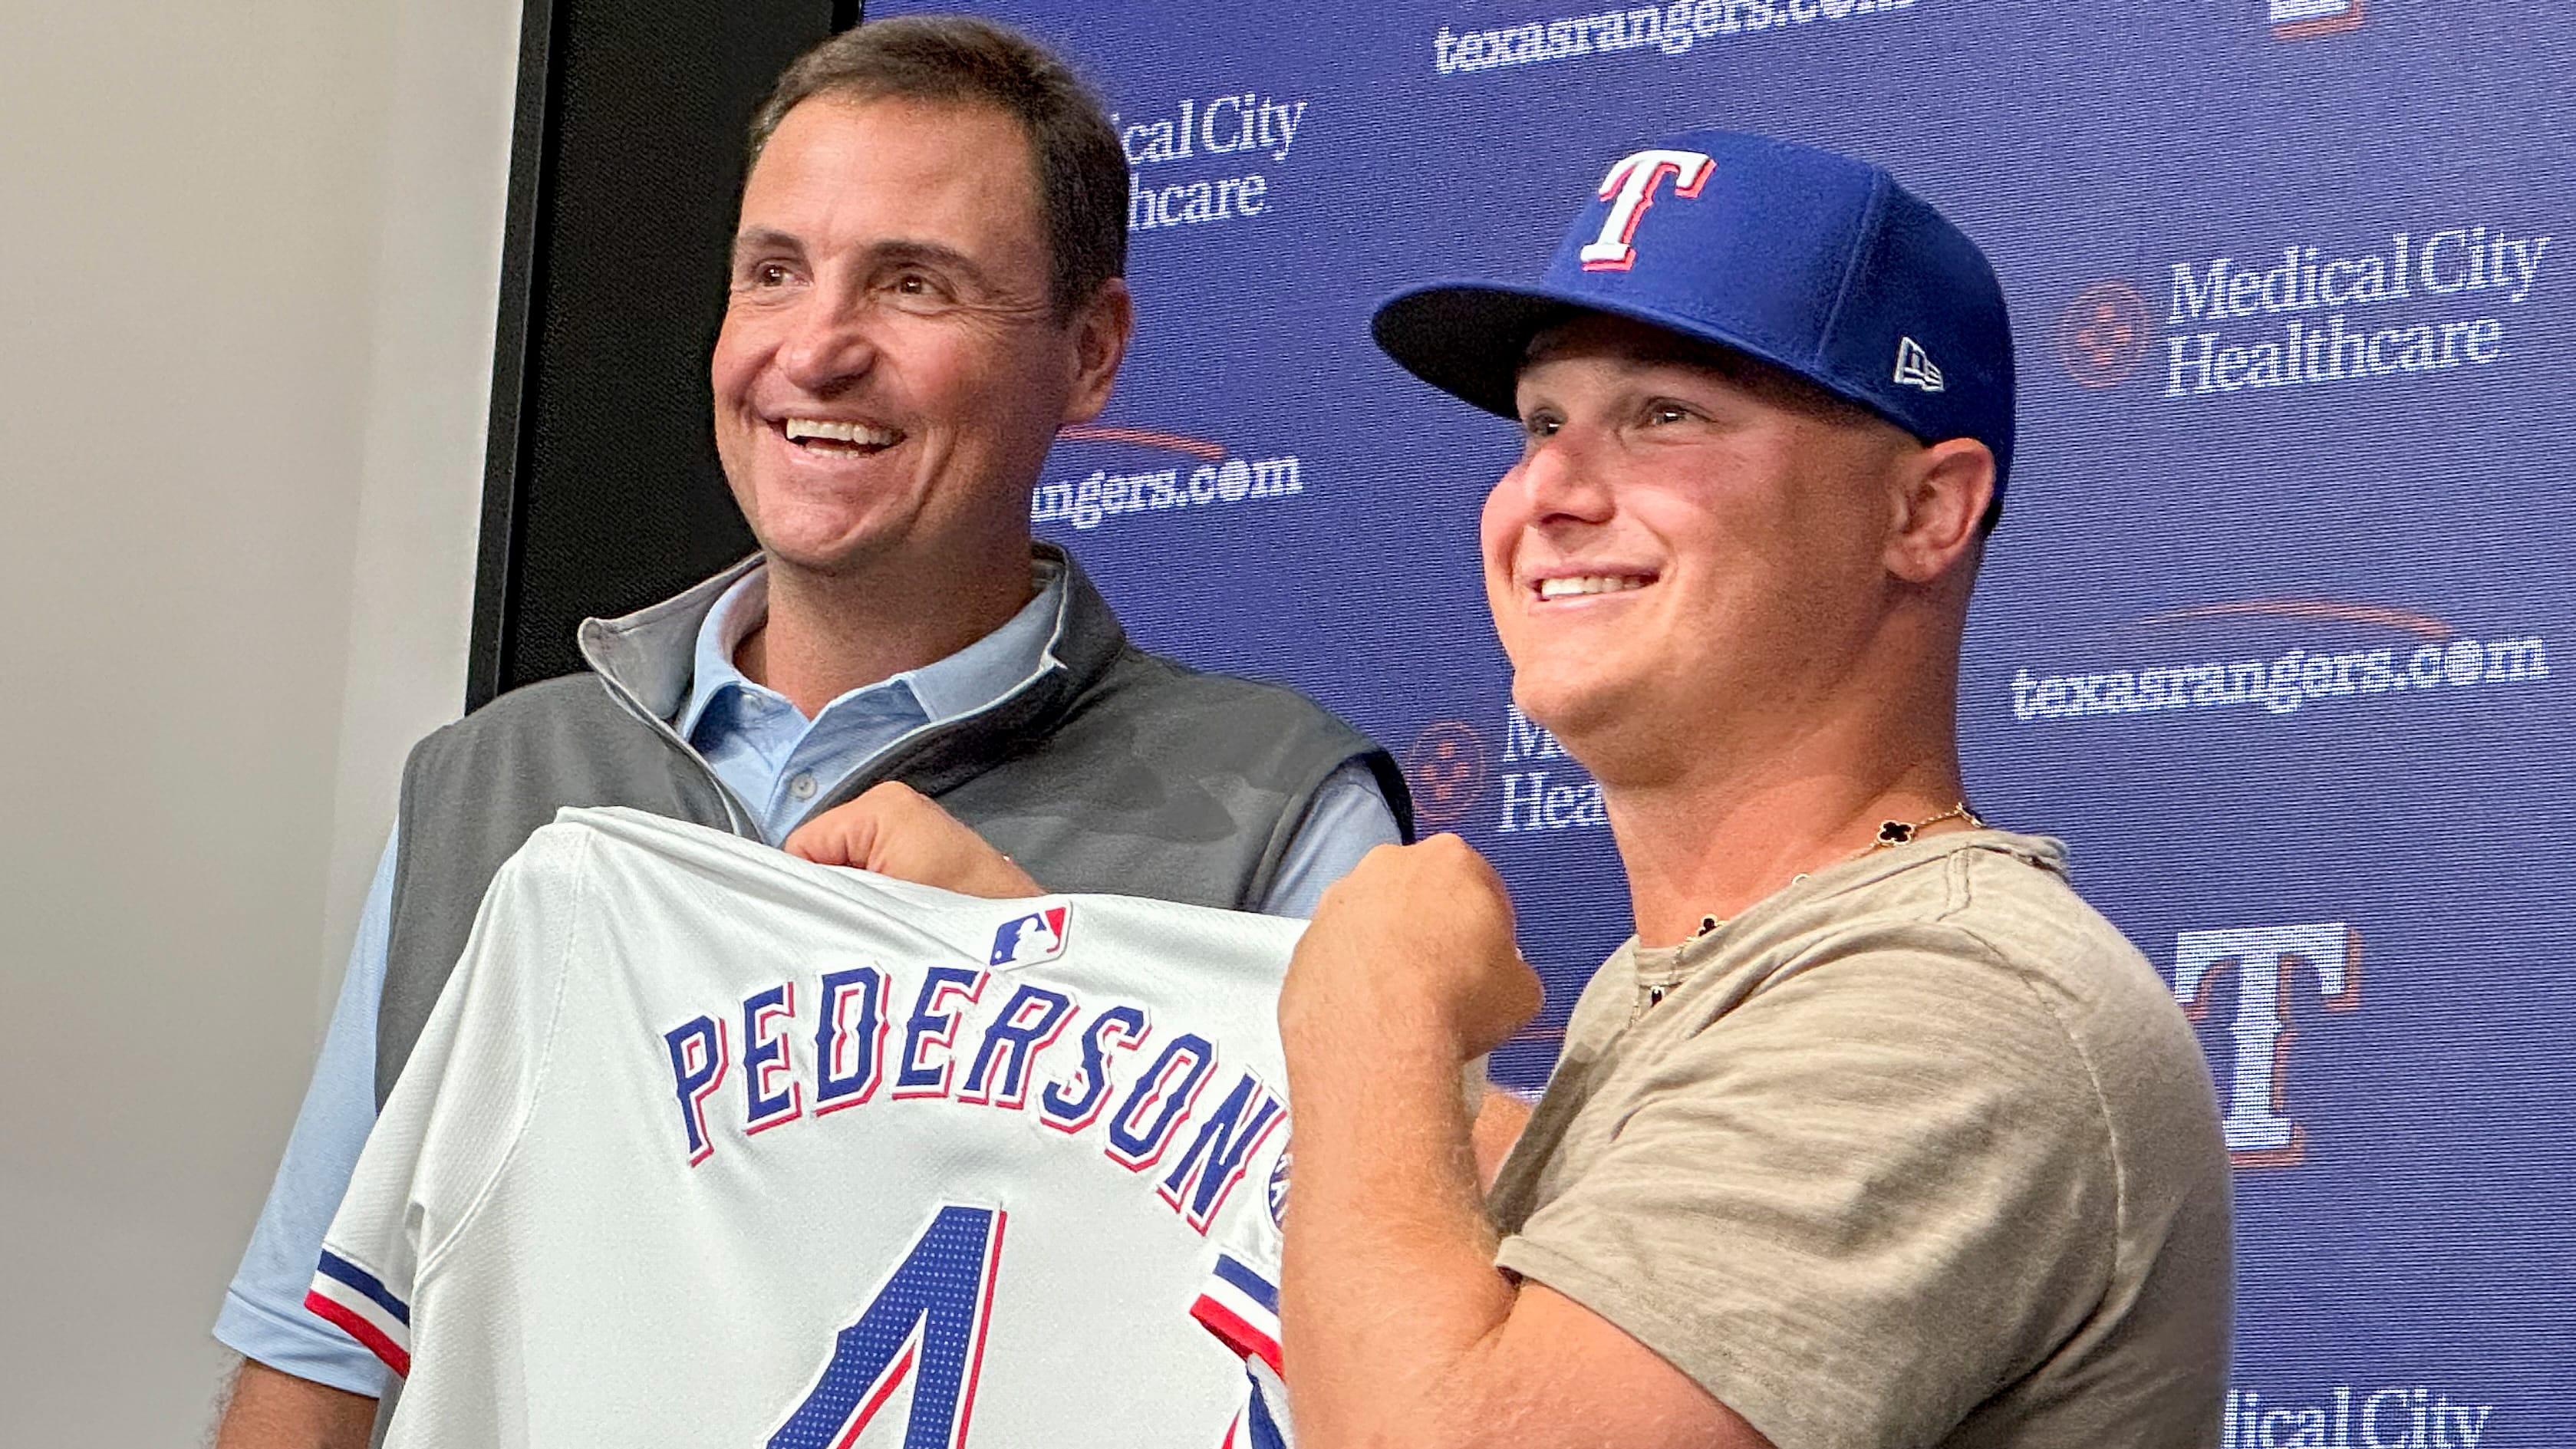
[764, 239]
[906, 249]
[756, 240]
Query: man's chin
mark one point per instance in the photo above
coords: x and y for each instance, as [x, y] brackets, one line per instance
[846, 555]
[1567, 703]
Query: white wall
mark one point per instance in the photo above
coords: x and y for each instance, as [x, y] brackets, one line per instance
[249, 255]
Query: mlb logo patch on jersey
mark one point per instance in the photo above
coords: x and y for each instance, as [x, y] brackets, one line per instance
[1027, 939]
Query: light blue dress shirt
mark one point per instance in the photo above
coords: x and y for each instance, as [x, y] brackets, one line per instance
[777, 761]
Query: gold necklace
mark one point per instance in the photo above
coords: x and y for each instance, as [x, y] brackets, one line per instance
[1891, 834]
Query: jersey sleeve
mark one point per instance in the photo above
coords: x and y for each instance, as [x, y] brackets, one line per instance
[462, 1100]
[1239, 1301]
[1265, 1409]
[263, 1316]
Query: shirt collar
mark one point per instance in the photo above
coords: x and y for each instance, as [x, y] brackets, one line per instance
[946, 688]
[998, 663]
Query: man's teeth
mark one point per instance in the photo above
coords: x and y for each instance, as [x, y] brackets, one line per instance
[799, 429]
[1589, 584]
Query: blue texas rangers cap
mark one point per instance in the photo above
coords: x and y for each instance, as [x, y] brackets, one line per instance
[1812, 262]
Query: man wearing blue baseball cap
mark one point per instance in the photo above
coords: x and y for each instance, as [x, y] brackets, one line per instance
[1875, 1133]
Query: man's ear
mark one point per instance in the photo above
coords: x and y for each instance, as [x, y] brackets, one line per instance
[1943, 491]
[1101, 327]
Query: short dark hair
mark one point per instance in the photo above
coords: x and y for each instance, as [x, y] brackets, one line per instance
[1081, 168]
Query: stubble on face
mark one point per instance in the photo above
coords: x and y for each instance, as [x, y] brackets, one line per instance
[1686, 557]
[890, 371]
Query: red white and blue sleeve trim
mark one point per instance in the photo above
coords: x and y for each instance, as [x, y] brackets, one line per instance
[1256, 1425]
[364, 1308]
[1241, 1308]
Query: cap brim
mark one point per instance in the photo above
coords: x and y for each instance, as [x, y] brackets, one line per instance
[1468, 339]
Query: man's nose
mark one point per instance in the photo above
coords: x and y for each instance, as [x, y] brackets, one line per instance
[1561, 478]
[830, 343]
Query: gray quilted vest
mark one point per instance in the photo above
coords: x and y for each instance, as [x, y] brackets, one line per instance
[1109, 770]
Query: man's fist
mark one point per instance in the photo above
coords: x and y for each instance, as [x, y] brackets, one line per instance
[896, 830]
[1417, 940]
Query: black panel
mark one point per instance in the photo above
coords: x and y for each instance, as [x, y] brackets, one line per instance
[601, 491]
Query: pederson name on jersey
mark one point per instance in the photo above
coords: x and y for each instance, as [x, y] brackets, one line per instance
[1098, 1072]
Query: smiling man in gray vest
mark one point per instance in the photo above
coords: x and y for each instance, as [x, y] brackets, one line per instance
[925, 285]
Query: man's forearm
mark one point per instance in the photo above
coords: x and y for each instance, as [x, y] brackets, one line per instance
[1389, 1290]
[1400, 1332]
[272, 1410]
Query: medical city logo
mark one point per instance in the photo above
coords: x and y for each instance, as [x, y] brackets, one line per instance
[1171, 148]
[2314, 313]
[1447, 769]
[2371, 1414]
[1531, 786]
[2104, 333]
[1148, 471]
[1544, 788]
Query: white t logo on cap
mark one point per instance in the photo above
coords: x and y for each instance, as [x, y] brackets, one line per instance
[1630, 189]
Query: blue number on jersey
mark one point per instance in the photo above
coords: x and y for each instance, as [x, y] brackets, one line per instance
[929, 1315]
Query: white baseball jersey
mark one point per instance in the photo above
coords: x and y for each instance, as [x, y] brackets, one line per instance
[708, 1146]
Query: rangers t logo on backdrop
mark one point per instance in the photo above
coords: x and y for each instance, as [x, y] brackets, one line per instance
[2267, 963]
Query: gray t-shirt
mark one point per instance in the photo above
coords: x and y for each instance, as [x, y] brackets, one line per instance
[1917, 1151]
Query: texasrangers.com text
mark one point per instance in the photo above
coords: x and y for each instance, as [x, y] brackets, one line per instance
[2281, 685]
[1671, 29]
[1101, 495]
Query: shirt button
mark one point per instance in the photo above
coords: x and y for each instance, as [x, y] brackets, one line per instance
[802, 787]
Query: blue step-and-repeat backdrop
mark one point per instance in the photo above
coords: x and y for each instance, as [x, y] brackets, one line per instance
[2279, 631]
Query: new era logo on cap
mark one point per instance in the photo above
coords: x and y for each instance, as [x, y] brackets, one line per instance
[1038, 937]
[1914, 366]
